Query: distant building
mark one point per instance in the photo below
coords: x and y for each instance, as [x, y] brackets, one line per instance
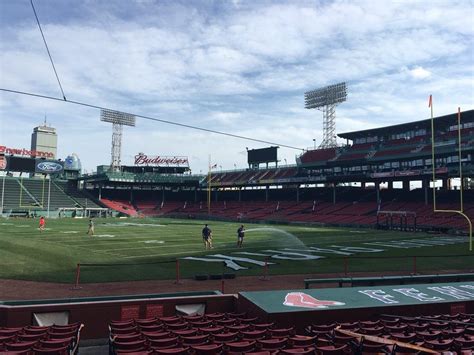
[45, 139]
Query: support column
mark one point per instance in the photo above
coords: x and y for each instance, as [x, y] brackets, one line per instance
[446, 184]
[195, 195]
[298, 194]
[362, 185]
[266, 193]
[390, 184]
[216, 193]
[240, 194]
[131, 194]
[100, 192]
[406, 185]
[377, 190]
[334, 193]
[425, 184]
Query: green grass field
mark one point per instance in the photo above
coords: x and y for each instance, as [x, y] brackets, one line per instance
[148, 248]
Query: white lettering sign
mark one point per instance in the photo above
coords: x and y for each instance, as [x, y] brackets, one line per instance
[287, 255]
[229, 263]
[414, 293]
[453, 292]
[380, 296]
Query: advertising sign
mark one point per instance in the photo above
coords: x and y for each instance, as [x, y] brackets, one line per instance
[48, 166]
[3, 162]
[142, 159]
[23, 152]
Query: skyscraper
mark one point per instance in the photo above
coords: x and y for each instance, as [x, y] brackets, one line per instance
[45, 139]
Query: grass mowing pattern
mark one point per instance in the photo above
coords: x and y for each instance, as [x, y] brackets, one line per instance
[145, 245]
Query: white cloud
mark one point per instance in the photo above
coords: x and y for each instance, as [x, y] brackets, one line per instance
[241, 67]
[419, 73]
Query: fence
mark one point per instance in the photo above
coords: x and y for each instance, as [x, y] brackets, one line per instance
[172, 269]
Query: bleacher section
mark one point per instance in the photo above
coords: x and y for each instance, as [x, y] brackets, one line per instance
[28, 194]
[15, 196]
[322, 212]
[36, 340]
[231, 333]
[39, 188]
[77, 195]
[122, 206]
[317, 155]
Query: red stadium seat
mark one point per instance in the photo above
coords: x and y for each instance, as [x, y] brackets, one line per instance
[31, 337]
[195, 339]
[177, 351]
[164, 343]
[253, 334]
[225, 337]
[211, 349]
[21, 346]
[184, 332]
[309, 350]
[151, 327]
[272, 344]
[52, 351]
[156, 335]
[137, 345]
[241, 346]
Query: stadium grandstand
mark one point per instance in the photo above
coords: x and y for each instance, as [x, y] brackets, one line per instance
[347, 185]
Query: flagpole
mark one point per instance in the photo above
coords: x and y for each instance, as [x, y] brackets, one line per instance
[209, 188]
[432, 152]
[461, 188]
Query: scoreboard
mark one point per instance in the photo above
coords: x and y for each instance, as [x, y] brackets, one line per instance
[264, 155]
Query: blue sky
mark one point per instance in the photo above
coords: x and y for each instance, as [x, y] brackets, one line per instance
[237, 66]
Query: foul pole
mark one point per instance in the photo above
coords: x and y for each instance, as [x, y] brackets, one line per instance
[461, 188]
[209, 188]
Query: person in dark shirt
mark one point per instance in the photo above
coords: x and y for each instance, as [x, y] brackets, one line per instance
[240, 236]
[207, 237]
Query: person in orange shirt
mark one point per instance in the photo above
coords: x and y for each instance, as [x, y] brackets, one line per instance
[42, 223]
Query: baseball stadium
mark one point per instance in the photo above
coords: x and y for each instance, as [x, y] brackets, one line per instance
[361, 245]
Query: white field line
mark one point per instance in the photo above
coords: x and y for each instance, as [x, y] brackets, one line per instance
[97, 251]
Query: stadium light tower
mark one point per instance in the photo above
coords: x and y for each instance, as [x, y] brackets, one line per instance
[326, 99]
[118, 120]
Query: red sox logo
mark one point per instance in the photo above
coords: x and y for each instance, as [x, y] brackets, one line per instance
[300, 299]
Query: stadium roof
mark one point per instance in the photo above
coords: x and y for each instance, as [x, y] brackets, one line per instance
[448, 120]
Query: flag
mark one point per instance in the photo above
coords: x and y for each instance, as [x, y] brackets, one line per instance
[430, 102]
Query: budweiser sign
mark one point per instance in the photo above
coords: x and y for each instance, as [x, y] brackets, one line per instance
[158, 160]
[23, 151]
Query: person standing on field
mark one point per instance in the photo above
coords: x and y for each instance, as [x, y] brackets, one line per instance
[42, 223]
[207, 237]
[91, 227]
[240, 236]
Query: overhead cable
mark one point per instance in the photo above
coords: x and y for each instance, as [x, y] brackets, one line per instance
[46, 97]
[47, 49]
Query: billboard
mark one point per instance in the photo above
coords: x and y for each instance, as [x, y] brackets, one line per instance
[43, 166]
[22, 165]
[32, 165]
[142, 159]
[264, 155]
[3, 162]
[25, 152]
